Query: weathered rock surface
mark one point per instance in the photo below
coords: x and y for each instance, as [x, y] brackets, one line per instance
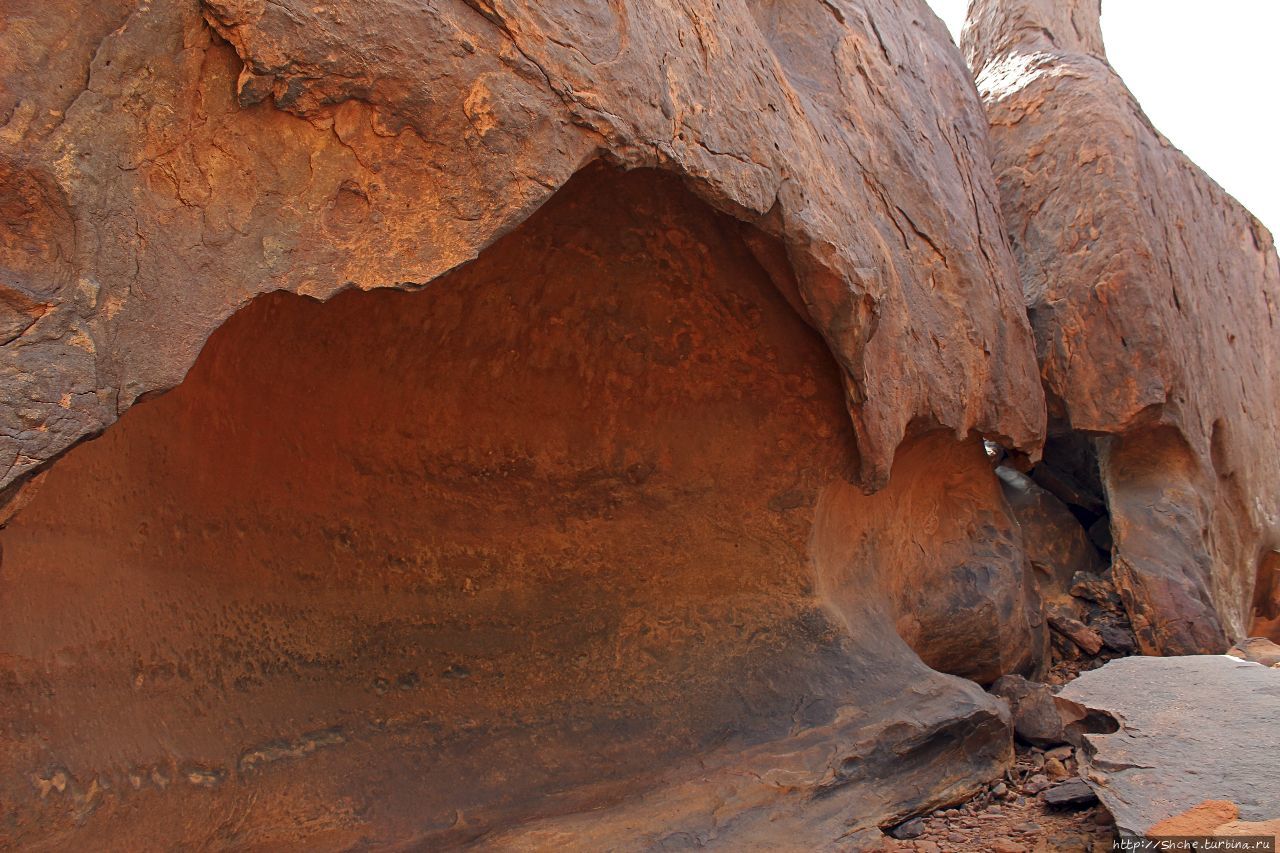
[1257, 649]
[561, 425]
[1191, 729]
[553, 553]
[571, 525]
[186, 156]
[1154, 298]
[1039, 716]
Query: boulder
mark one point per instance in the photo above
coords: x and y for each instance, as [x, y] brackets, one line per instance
[573, 435]
[1153, 296]
[1039, 716]
[1056, 543]
[1190, 729]
[1258, 650]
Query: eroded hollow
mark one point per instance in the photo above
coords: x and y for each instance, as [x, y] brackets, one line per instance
[419, 563]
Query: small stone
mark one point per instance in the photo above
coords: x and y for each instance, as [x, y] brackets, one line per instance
[1054, 769]
[1061, 621]
[1074, 793]
[913, 828]
[928, 847]
[1118, 637]
[1000, 789]
[1062, 753]
[957, 837]
[1004, 845]
[1027, 827]
[1036, 784]
[1067, 842]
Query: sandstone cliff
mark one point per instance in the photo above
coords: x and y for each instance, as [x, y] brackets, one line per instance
[578, 529]
[1154, 298]
[574, 425]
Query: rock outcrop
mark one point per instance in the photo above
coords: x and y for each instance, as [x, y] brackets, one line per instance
[628, 527]
[185, 157]
[1154, 298]
[547, 425]
[1190, 729]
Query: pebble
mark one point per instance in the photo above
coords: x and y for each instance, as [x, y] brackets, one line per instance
[1000, 789]
[1061, 753]
[1027, 827]
[913, 828]
[928, 847]
[957, 837]
[1055, 769]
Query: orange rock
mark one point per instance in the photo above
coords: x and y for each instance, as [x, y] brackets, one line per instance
[1202, 819]
[1153, 296]
[570, 525]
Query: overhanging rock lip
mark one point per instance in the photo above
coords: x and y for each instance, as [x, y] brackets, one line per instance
[792, 159]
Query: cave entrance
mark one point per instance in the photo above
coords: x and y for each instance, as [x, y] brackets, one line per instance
[415, 563]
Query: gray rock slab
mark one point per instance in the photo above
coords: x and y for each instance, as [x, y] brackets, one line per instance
[1195, 728]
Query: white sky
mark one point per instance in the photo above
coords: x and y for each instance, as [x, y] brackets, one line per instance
[1207, 74]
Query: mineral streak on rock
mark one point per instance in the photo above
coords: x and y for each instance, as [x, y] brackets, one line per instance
[1153, 296]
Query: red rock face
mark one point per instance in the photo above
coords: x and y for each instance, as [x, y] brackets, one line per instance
[560, 425]
[416, 567]
[1153, 296]
[539, 553]
[226, 149]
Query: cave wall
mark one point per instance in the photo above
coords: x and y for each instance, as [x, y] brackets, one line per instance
[266, 619]
[575, 414]
[418, 567]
